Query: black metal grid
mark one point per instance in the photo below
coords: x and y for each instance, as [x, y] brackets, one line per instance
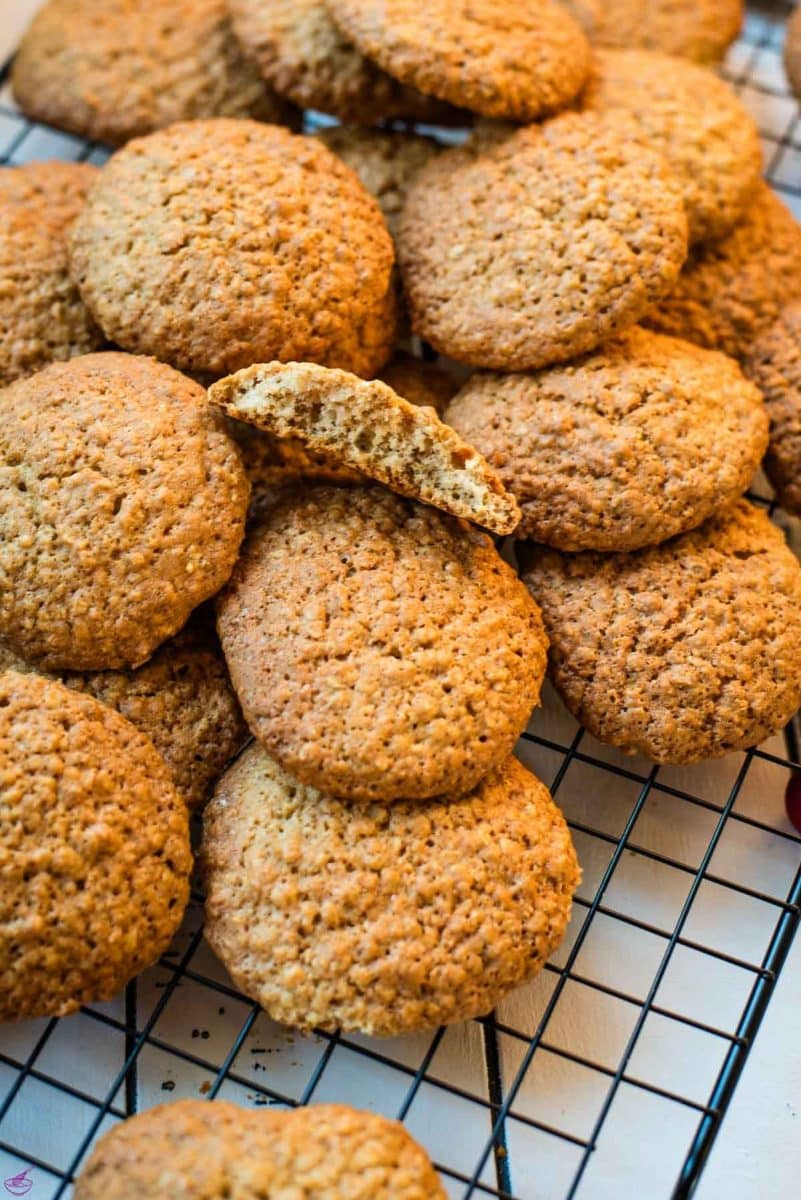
[146, 1033]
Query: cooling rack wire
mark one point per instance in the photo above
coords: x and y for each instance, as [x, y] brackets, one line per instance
[610, 1075]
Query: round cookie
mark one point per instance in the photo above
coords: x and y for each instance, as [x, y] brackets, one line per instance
[730, 290]
[694, 119]
[683, 651]
[123, 502]
[222, 1152]
[383, 919]
[792, 50]
[217, 244]
[42, 316]
[701, 30]
[94, 850]
[385, 162]
[379, 648]
[521, 62]
[541, 247]
[118, 70]
[638, 442]
[774, 364]
[181, 699]
[302, 54]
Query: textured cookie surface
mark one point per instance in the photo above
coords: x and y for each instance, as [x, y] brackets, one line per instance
[181, 699]
[303, 55]
[774, 364]
[419, 381]
[194, 1150]
[121, 69]
[792, 51]
[732, 289]
[94, 850]
[379, 648]
[494, 58]
[383, 919]
[123, 502]
[369, 428]
[42, 316]
[541, 247]
[694, 119]
[684, 651]
[386, 163]
[701, 30]
[216, 244]
[637, 442]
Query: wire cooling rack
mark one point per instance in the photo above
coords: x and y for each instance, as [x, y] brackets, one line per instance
[610, 1074]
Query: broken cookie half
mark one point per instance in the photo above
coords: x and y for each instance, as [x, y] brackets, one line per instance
[367, 426]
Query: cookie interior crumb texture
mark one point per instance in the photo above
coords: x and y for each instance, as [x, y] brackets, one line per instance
[94, 850]
[368, 427]
[383, 919]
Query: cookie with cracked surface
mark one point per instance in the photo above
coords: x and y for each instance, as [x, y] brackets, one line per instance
[379, 648]
[42, 316]
[732, 289]
[683, 651]
[124, 501]
[216, 244]
[491, 57]
[365, 426]
[303, 55]
[774, 364]
[385, 162]
[118, 70]
[701, 30]
[540, 247]
[94, 848]
[694, 119]
[383, 918]
[222, 1152]
[640, 441]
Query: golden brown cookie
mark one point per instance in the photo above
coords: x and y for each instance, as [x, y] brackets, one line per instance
[495, 58]
[641, 440]
[222, 1152]
[181, 699]
[216, 244]
[302, 54]
[365, 426]
[683, 651]
[122, 502]
[730, 290]
[385, 162]
[701, 30]
[694, 119]
[42, 316]
[379, 648]
[792, 50]
[121, 69]
[774, 364]
[541, 247]
[383, 919]
[94, 850]
[419, 381]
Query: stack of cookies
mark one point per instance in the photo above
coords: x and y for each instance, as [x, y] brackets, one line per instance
[212, 411]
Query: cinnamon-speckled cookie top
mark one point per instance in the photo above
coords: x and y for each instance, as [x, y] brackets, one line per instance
[639, 441]
[540, 247]
[379, 648]
[494, 57]
[683, 651]
[732, 289]
[696, 29]
[383, 919]
[222, 1152]
[694, 119]
[774, 364]
[109, 72]
[42, 316]
[216, 244]
[123, 502]
[94, 850]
